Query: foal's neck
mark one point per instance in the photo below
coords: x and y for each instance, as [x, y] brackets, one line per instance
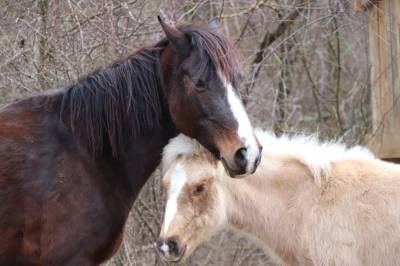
[268, 204]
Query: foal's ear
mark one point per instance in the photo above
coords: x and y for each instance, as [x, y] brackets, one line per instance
[177, 38]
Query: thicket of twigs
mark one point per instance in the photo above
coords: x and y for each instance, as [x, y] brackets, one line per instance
[305, 63]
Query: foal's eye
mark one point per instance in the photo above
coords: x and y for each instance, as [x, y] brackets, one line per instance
[199, 189]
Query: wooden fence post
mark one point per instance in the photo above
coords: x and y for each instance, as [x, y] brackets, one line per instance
[384, 47]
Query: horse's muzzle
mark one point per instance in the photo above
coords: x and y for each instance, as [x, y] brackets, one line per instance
[245, 162]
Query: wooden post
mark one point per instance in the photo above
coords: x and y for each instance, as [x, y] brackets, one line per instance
[384, 46]
[364, 4]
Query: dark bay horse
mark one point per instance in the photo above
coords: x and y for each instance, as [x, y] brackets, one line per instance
[73, 160]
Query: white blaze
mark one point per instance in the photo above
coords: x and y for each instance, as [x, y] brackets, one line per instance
[178, 179]
[245, 130]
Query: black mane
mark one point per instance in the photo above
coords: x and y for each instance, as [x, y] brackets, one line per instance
[119, 102]
[115, 103]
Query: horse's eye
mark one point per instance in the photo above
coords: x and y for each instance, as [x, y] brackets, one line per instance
[200, 189]
[201, 85]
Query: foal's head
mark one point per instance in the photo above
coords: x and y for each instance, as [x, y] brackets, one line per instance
[201, 82]
[195, 207]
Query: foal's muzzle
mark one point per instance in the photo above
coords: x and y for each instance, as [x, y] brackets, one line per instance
[171, 249]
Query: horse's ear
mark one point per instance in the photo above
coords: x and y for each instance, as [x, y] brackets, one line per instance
[177, 38]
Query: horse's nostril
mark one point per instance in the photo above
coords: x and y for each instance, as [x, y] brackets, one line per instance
[256, 163]
[258, 160]
[240, 158]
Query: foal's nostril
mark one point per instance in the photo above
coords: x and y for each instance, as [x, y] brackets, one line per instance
[172, 246]
[171, 249]
[240, 158]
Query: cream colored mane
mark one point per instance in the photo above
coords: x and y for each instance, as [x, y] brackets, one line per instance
[315, 155]
[181, 145]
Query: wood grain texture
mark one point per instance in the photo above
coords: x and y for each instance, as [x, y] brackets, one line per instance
[384, 41]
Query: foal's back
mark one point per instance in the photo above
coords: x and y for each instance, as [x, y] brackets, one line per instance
[356, 220]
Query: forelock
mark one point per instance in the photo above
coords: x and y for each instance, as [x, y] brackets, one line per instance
[215, 49]
[179, 146]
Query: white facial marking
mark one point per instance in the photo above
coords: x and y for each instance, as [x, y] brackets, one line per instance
[164, 247]
[245, 130]
[177, 181]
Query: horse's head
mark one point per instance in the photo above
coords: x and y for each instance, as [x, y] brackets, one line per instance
[201, 81]
[192, 182]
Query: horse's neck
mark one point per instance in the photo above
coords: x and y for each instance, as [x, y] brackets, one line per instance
[268, 204]
[143, 156]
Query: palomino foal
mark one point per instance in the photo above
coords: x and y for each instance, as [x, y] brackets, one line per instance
[309, 203]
